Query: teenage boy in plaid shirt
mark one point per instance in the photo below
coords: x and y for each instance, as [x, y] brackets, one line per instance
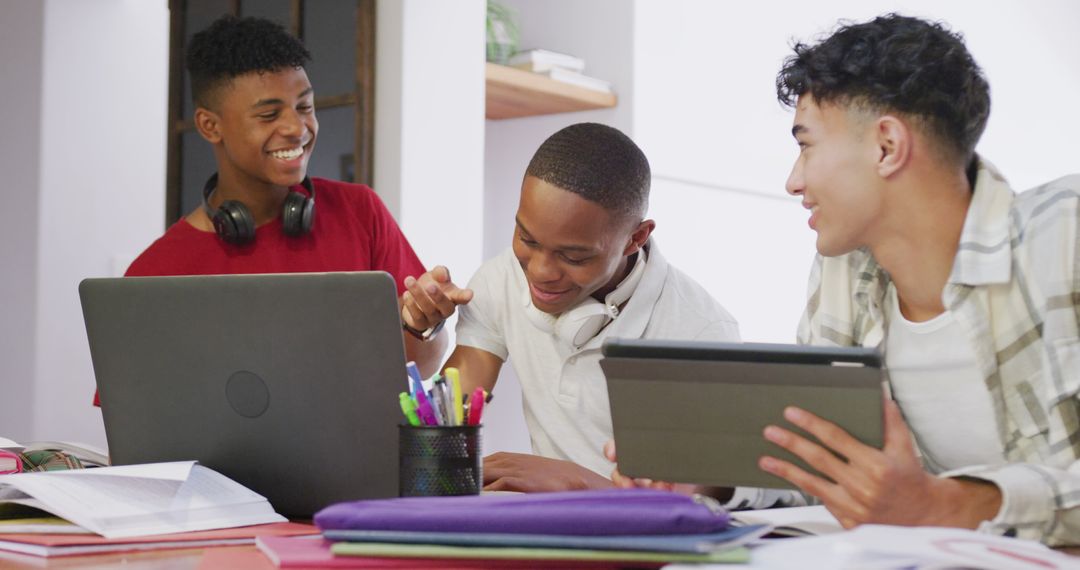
[971, 291]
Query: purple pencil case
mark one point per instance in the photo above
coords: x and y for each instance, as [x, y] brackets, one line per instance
[579, 513]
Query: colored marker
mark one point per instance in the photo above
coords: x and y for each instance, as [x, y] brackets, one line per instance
[455, 394]
[417, 382]
[408, 407]
[427, 414]
[476, 406]
[421, 399]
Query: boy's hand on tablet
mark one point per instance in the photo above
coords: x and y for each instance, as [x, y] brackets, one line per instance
[863, 484]
[431, 299]
[535, 474]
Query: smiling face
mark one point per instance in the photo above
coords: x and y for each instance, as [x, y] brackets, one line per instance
[836, 175]
[264, 127]
[569, 247]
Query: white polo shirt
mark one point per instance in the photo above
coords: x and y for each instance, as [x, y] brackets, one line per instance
[563, 390]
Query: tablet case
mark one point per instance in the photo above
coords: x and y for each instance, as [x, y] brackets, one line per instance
[694, 412]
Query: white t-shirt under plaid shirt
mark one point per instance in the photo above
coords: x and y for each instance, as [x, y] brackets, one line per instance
[1015, 291]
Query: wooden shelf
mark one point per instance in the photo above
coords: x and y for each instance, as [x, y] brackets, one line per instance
[515, 93]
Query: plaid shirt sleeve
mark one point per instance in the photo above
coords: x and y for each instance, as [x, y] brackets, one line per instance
[1040, 371]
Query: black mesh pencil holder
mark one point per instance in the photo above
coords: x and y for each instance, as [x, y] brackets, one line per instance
[439, 460]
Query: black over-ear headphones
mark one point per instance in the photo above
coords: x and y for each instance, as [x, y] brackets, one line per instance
[234, 224]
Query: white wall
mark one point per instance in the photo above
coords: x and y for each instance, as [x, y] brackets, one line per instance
[102, 183]
[429, 159]
[21, 25]
[706, 115]
[429, 110]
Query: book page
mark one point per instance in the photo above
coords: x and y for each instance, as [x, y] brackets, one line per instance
[792, 521]
[88, 454]
[887, 547]
[137, 500]
[173, 471]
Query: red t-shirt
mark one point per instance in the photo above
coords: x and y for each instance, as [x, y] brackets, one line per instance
[352, 231]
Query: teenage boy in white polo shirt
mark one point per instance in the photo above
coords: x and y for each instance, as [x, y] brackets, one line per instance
[582, 268]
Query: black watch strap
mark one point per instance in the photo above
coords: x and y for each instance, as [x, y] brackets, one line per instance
[424, 335]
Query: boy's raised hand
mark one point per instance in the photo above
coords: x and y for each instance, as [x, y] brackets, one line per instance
[431, 299]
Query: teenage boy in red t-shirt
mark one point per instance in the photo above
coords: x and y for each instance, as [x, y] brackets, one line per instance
[255, 106]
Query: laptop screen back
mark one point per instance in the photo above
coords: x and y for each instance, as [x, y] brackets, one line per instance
[285, 383]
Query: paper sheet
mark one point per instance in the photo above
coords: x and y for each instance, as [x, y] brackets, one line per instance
[797, 521]
[879, 547]
[137, 500]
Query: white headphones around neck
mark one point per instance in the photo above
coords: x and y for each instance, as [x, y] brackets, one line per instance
[585, 320]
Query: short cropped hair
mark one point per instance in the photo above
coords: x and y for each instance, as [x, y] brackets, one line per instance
[598, 163]
[901, 64]
[232, 47]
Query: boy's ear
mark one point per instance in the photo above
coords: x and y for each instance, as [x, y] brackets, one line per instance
[208, 123]
[894, 141]
[641, 235]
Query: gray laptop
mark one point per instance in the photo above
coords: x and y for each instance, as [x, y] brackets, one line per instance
[286, 383]
[694, 412]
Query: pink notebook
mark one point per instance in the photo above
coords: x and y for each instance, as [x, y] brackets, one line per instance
[71, 544]
[308, 553]
[9, 462]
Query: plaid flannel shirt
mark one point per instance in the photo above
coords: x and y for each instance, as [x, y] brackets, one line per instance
[1015, 290]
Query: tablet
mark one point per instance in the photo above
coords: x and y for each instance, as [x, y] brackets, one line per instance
[694, 412]
[286, 383]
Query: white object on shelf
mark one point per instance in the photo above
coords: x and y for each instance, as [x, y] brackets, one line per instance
[542, 60]
[575, 78]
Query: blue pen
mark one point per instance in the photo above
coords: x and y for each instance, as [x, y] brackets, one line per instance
[417, 386]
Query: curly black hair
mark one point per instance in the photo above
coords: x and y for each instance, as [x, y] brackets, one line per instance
[900, 64]
[233, 46]
[598, 163]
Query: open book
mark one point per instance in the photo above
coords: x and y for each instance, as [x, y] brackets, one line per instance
[139, 500]
[89, 455]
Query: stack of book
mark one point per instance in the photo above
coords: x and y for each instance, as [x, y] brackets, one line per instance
[131, 507]
[609, 528]
[558, 66]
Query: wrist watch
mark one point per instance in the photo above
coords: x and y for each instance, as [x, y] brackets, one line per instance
[423, 335]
